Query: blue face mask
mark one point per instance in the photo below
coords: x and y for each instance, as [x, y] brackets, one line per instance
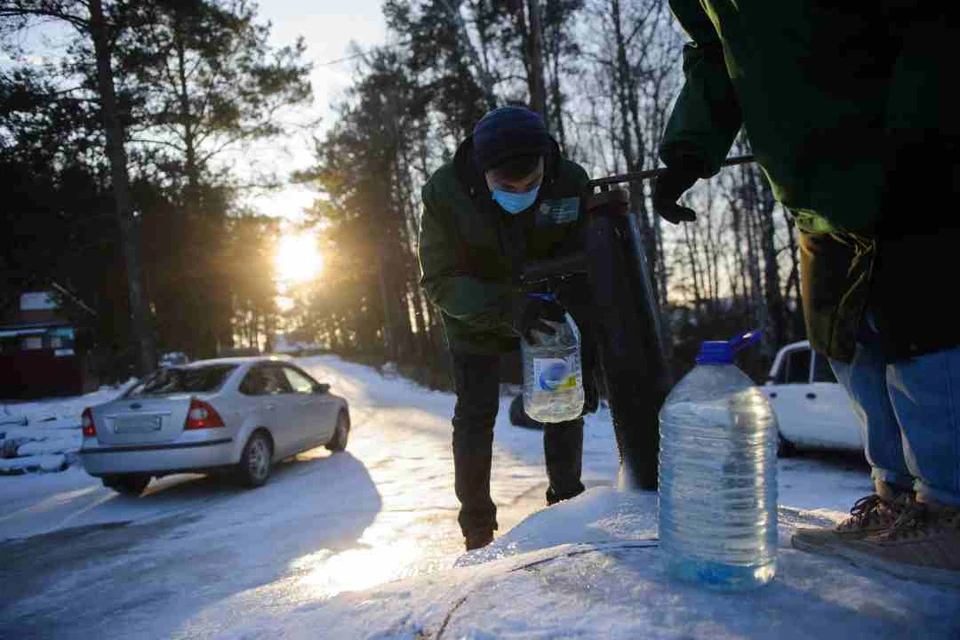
[515, 202]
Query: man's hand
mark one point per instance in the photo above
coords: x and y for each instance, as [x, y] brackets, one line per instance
[532, 314]
[671, 184]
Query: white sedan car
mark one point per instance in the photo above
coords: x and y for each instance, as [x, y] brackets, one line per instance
[236, 414]
[813, 409]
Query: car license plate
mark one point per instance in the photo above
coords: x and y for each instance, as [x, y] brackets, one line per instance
[137, 424]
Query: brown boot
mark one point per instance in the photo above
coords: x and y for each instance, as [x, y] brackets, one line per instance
[923, 545]
[870, 515]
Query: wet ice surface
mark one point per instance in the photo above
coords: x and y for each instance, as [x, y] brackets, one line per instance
[604, 578]
[199, 557]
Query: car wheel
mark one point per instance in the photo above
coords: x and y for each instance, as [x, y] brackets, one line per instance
[341, 433]
[256, 461]
[128, 484]
[785, 448]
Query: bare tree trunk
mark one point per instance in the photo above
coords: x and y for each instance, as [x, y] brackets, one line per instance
[556, 95]
[200, 332]
[690, 239]
[660, 269]
[793, 280]
[761, 316]
[621, 80]
[141, 323]
[538, 95]
[739, 233]
[771, 267]
[389, 332]
[419, 305]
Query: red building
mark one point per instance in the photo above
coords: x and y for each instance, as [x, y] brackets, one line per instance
[39, 352]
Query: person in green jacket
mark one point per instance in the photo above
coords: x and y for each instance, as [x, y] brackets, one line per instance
[508, 198]
[852, 114]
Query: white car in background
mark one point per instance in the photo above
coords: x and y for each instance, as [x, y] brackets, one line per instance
[813, 409]
[235, 414]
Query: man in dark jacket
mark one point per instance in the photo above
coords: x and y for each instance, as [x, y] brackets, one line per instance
[852, 115]
[507, 198]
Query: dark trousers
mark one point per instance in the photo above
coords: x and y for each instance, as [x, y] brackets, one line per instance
[477, 383]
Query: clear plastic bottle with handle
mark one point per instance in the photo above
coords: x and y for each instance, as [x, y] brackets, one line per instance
[718, 474]
[552, 373]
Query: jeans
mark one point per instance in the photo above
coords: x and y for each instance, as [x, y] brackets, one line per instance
[910, 411]
[477, 383]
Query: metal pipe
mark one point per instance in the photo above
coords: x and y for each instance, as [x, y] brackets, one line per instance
[634, 176]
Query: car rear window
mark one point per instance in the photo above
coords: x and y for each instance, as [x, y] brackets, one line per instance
[180, 380]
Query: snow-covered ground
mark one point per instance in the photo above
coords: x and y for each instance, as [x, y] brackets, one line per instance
[45, 435]
[317, 551]
[591, 568]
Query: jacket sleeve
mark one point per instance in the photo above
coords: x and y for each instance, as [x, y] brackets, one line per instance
[480, 305]
[706, 117]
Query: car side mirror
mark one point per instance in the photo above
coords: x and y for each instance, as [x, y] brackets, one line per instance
[321, 388]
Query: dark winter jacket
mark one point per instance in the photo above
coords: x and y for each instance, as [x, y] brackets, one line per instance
[472, 253]
[852, 114]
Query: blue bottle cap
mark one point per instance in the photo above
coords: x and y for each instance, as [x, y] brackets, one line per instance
[723, 351]
[543, 296]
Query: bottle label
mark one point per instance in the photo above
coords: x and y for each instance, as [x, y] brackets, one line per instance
[554, 374]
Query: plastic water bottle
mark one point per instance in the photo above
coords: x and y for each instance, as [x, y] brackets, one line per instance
[718, 474]
[553, 375]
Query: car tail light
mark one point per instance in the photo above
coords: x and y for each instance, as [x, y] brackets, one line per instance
[202, 416]
[86, 423]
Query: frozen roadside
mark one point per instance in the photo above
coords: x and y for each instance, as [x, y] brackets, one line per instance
[592, 568]
[44, 436]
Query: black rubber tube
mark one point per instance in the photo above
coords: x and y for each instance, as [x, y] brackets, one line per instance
[627, 333]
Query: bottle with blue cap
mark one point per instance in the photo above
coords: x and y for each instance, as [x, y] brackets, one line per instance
[718, 474]
[552, 372]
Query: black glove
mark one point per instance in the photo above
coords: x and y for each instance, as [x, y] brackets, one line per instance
[671, 184]
[532, 313]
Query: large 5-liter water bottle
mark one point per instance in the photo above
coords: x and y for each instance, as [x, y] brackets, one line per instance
[552, 374]
[718, 474]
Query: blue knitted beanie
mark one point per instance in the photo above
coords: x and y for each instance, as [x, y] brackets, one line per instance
[509, 132]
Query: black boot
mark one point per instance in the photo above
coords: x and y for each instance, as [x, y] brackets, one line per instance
[563, 450]
[478, 539]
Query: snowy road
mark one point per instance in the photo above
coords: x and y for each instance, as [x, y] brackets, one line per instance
[196, 557]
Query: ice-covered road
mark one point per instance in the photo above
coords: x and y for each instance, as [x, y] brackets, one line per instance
[194, 553]
[196, 557]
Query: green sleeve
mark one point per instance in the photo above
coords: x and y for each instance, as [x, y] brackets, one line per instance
[480, 305]
[706, 117]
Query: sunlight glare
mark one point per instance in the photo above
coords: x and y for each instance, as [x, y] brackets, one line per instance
[298, 260]
[326, 574]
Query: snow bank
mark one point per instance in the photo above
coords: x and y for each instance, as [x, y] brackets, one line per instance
[58, 412]
[599, 572]
[45, 435]
[46, 462]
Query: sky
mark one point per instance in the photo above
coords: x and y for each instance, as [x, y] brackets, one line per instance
[329, 31]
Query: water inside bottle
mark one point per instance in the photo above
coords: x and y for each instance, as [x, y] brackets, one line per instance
[718, 482]
[553, 376]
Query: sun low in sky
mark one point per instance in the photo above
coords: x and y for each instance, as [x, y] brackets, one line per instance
[298, 259]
